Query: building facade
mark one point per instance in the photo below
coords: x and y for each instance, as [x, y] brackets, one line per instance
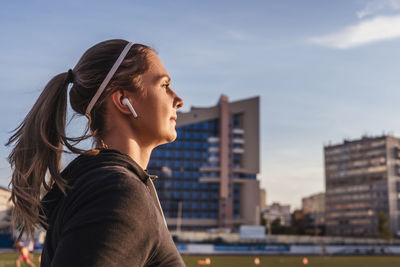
[362, 183]
[313, 204]
[207, 177]
[263, 199]
[278, 211]
[313, 208]
[5, 209]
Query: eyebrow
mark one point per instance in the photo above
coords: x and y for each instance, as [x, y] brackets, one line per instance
[160, 77]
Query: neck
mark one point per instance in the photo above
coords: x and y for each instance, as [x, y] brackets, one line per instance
[140, 154]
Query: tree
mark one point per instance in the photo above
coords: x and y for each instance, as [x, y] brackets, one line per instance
[263, 221]
[383, 227]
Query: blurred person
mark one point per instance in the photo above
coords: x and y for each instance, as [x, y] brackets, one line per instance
[24, 255]
[206, 261]
[31, 248]
[102, 209]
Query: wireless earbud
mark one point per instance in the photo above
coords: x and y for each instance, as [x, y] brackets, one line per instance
[126, 102]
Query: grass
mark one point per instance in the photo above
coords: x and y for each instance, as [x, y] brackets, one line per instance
[8, 260]
[293, 261]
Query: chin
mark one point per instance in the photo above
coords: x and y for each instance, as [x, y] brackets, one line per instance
[171, 138]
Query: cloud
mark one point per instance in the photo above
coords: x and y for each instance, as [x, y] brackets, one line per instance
[378, 5]
[368, 31]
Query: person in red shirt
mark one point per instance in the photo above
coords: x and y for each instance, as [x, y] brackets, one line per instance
[23, 255]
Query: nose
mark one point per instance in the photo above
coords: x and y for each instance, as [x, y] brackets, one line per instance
[178, 102]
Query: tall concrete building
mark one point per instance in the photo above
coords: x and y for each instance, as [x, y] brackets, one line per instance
[207, 177]
[362, 181]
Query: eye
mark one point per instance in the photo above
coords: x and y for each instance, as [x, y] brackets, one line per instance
[166, 85]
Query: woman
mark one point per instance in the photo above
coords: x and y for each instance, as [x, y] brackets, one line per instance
[102, 210]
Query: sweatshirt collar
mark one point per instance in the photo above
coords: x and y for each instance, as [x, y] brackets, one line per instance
[127, 162]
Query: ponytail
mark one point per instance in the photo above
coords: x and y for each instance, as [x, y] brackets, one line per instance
[39, 141]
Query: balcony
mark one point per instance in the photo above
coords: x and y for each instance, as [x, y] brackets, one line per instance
[209, 179]
[213, 149]
[238, 150]
[209, 169]
[238, 141]
[237, 131]
[213, 159]
[213, 140]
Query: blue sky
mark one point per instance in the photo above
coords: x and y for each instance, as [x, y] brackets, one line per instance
[325, 70]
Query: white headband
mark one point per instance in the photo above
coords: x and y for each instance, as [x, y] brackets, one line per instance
[108, 77]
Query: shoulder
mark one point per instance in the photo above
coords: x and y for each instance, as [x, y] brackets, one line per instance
[109, 191]
[108, 180]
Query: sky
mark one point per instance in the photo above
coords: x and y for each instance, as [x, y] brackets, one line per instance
[324, 70]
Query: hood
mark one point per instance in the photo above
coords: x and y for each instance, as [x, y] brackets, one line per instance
[83, 164]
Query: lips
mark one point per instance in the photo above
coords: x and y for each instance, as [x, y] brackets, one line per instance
[173, 118]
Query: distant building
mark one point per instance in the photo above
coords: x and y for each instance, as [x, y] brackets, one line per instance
[313, 208]
[278, 211]
[5, 208]
[362, 179]
[263, 199]
[314, 203]
[207, 177]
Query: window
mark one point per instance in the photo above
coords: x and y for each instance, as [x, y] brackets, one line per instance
[178, 144]
[204, 195]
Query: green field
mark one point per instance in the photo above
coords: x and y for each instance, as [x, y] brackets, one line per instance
[8, 260]
[292, 261]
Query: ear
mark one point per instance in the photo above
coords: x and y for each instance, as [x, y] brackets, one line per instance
[116, 99]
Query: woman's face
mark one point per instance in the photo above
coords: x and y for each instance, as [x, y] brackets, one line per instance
[156, 105]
